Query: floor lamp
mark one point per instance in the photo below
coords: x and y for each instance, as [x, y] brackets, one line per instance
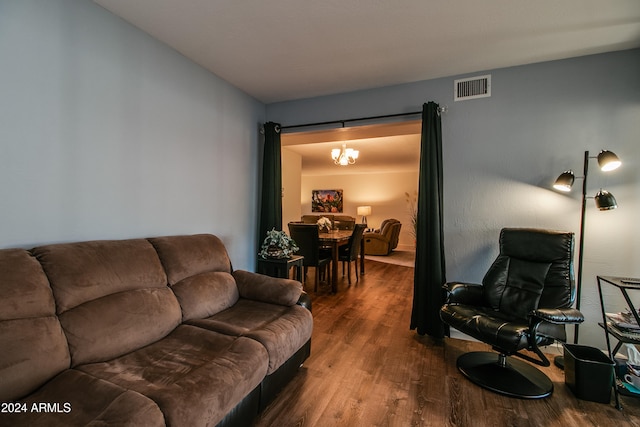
[607, 161]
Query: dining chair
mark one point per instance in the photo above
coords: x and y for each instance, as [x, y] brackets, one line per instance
[307, 238]
[351, 250]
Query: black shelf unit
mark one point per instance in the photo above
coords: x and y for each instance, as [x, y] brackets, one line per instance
[624, 285]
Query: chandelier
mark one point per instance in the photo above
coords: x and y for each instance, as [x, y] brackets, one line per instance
[345, 156]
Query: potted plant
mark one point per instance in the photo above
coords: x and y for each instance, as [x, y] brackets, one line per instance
[412, 208]
[278, 245]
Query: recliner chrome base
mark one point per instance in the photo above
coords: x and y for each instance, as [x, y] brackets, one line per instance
[505, 375]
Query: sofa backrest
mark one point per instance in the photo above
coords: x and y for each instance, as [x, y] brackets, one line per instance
[395, 235]
[341, 222]
[199, 273]
[111, 296]
[313, 219]
[344, 222]
[34, 347]
[387, 226]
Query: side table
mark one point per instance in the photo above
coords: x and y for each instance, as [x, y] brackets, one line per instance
[279, 267]
[624, 285]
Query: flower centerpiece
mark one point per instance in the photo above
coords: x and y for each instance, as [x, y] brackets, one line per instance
[277, 244]
[324, 223]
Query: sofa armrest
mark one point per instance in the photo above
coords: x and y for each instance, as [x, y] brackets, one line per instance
[562, 316]
[463, 293]
[269, 289]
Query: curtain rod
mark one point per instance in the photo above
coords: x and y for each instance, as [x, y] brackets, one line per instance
[342, 122]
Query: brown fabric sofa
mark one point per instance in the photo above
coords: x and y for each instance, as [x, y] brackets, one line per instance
[144, 332]
[384, 240]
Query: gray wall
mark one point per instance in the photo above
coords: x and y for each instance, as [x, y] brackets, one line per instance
[107, 133]
[502, 154]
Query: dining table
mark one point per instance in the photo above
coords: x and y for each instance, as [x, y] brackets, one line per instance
[334, 239]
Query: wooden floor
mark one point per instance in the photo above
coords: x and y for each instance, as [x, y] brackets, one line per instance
[368, 369]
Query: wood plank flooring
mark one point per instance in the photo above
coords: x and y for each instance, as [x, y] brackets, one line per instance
[368, 369]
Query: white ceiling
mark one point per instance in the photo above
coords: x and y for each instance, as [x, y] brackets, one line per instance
[278, 50]
[389, 154]
[384, 148]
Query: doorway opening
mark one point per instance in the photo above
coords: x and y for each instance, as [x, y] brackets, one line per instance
[385, 172]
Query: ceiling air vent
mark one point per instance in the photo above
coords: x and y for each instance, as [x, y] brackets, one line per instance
[472, 87]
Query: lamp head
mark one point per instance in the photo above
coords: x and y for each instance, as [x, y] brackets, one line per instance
[605, 200]
[608, 161]
[565, 181]
[364, 210]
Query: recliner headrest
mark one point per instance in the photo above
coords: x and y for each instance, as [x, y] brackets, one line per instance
[535, 244]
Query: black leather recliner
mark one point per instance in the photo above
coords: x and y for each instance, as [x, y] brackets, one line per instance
[524, 302]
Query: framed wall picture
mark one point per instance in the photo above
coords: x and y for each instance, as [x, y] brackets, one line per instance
[329, 201]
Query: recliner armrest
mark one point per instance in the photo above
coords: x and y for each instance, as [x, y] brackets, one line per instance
[463, 293]
[561, 316]
[375, 236]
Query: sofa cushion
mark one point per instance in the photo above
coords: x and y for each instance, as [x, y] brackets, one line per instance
[85, 271]
[282, 330]
[186, 256]
[33, 345]
[205, 294]
[194, 375]
[112, 296]
[34, 350]
[117, 324]
[74, 398]
[24, 288]
[199, 273]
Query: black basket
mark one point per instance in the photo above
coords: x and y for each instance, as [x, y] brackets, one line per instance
[588, 372]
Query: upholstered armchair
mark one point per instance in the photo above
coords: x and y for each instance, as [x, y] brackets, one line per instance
[384, 240]
[523, 303]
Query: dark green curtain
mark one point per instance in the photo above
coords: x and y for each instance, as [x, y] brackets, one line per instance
[271, 195]
[429, 275]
